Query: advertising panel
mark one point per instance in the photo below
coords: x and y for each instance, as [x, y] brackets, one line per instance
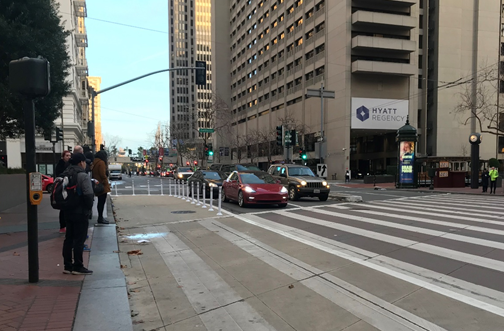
[387, 114]
[406, 162]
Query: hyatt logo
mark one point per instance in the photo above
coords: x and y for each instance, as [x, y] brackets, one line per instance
[362, 113]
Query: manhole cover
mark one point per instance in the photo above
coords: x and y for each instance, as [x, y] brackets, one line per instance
[183, 212]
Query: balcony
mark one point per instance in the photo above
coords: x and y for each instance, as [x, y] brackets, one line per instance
[81, 40]
[373, 20]
[378, 4]
[379, 67]
[80, 8]
[82, 69]
[368, 43]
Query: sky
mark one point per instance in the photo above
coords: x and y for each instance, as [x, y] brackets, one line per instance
[118, 53]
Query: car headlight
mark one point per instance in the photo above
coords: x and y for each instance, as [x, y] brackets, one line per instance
[324, 183]
[249, 190]
[303, 183]
[213, 185]
[180, 176]
[284, 190]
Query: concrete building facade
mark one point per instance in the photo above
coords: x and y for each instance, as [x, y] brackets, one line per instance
[385, 60]
[75, 116]
[190, 41]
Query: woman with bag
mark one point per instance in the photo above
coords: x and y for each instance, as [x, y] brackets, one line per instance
[99, 169]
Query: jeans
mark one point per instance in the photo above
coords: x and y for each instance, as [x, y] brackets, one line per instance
[493, 185]
[62, 221]
[76, 233]
[101, 205]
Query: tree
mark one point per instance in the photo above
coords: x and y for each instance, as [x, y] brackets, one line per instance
[30, 28]
[111, 145]
[481, 105]
[140, 152]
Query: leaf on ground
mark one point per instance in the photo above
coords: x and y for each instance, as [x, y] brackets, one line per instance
[291, 286]
[124, 266]
[135, 252]
[138, 321]
[16, 254]
[180, 286]
[134, 290]
[121, 228]
[131, 283]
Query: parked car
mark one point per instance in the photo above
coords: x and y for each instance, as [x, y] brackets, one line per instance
[183, 173]
[212, 179]
[253, 187]
[230, 168]
[300, 181]
[47, 183]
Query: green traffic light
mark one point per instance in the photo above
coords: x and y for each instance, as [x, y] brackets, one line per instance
[304, 157]
[210, 153]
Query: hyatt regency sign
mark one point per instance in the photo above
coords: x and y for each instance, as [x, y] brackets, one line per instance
[368, 113]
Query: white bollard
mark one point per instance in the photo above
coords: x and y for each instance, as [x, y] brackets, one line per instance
[219, 213]
[197, 195]
[161, 179]
[133, 186]
[211, 200]
[188, 189]
[169, 187]
[183, 191]
[115, 186]
[177, 187]
[148, 187]
[204, 199]
[192, 193]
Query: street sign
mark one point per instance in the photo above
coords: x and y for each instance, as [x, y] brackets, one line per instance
[316, 93]
[322, 170]
[206, 130]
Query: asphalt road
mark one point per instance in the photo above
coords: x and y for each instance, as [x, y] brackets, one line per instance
[145, 185]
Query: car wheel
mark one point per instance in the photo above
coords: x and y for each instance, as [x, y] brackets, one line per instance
[50, 187]
[282, 205]
[293, 195]
[324, 197]
[223, 197]
[241, 201]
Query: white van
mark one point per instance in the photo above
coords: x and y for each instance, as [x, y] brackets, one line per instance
[115, 172]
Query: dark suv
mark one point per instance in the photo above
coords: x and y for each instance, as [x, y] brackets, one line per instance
[230, 168]
[300, 181]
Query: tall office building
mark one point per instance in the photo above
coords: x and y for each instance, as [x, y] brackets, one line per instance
[385, 60]
[190, 41]
[75, 105]
[94, 82]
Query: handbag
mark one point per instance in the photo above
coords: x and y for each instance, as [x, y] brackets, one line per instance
[98, 189]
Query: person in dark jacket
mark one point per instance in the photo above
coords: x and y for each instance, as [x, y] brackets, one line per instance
[485, 177]
[61, 166]
[77, 217]
[100, 170]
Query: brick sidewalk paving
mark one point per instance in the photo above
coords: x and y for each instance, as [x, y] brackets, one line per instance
[47, 305]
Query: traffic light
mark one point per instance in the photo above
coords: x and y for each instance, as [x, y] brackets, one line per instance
[206, 150]
[288, 138]
[160, 158]
[171, 165]
[129, 152]
[187, 163]
[59, 134]
[279, 132]
[102, 147]
[293, 135]
[69, 148]
[195, 163]
[303, 155]
[47, 136]
[201, 73]
[210, 149]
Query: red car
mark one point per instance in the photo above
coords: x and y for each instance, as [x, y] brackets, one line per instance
[47, 183]
[253, 187]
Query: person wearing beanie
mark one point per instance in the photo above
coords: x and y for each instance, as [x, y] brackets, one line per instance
[99, 169]
[77, 216]
[62, 165]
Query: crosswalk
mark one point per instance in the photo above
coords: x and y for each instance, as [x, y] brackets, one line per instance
[431, 262]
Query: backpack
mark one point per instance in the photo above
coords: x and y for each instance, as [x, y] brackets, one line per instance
[64, 195]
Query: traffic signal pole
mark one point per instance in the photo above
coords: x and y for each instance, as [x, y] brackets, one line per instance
[95, 93]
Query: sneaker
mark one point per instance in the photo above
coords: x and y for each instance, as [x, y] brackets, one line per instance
[62, 230]
[103, 221]
[82, 270]
[67, 270]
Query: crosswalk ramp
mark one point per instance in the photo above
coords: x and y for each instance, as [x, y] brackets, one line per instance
[420, 263]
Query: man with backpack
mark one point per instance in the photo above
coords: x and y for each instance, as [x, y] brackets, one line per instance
[75, 198]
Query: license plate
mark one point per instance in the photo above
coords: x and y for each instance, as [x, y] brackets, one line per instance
[316, 191]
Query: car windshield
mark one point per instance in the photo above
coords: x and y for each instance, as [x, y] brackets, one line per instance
[256, 178]
[300, 171]
[184, 169]
[115, 172]
[247, 168]
[214, 175]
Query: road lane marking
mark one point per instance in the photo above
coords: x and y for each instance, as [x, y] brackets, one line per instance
[429, 207]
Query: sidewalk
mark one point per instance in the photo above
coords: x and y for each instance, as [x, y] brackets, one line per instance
[52, 303]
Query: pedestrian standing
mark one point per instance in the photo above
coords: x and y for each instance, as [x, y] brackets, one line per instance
[61, 166]
[100, 174]
[494, 174]
[347, 176]
[485, 176]
[76, 215]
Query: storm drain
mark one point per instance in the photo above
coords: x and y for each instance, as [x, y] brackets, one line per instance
[183, 212]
